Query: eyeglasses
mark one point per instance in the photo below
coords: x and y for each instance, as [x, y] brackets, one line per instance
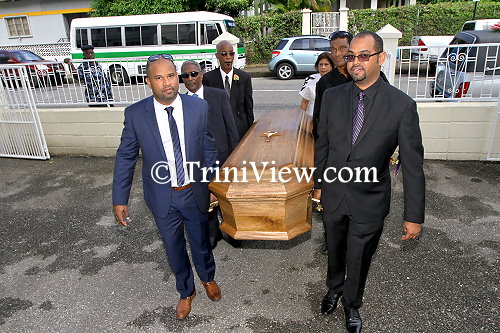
[192, 74]
[224, 53]
[155, 57]
[361, 57]
[340, 34]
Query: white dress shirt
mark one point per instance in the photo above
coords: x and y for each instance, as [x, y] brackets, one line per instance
[198, 92]
[166, 138]
[230, 75]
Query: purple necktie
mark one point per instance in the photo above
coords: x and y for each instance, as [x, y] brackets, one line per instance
[359, 118]
[176, 142]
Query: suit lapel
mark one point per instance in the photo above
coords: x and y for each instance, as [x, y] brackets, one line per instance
[186, 112]
[218, 78]
[153, 125]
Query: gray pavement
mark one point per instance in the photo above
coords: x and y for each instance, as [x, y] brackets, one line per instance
[66, 266]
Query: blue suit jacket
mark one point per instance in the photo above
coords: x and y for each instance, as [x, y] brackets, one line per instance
[141, 132]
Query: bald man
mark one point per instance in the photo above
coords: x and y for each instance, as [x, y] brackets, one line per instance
[236, 83]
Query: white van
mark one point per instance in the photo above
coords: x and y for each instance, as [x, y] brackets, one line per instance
[123, 43]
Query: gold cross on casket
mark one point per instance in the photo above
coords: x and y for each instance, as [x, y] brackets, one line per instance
[269, 134]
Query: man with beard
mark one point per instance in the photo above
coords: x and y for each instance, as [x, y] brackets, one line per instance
[361, 125]
[220, 124]
[236, 83]
[171, 130]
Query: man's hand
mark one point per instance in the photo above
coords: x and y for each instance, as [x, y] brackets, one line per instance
[120, 211]
[317, 193]
[411, 230]
[213, 198]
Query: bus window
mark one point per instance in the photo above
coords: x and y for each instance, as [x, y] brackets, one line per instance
[132, 36]
[187, 33]
[81, 37]
[169, 34]
[114, 36]
[211, 32]
[98, 39]
[149, 35]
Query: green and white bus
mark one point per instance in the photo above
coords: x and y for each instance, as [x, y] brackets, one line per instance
[123, 43]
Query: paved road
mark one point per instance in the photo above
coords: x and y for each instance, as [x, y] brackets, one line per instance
[66, 266]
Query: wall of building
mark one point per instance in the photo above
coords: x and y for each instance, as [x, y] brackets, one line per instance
[451, 131]
[45, 17]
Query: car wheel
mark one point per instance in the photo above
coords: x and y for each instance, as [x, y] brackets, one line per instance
[285, 71]
[118, 75]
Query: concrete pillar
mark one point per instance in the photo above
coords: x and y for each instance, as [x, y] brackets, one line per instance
[391, 37]
[413, 2]
[344, 18]
[306, 21]
[373, 4]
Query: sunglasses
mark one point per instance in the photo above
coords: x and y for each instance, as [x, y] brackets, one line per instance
[224, 53]
[340, 34]
[188, 74]
[361, 57]
[155, 57]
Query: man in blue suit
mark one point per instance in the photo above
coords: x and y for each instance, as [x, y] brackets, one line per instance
[221, 125]
[171, 131]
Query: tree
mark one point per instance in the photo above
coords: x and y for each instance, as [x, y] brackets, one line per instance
[138, 7]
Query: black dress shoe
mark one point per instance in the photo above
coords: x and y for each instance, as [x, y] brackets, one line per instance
[352, 320]
[329, 302]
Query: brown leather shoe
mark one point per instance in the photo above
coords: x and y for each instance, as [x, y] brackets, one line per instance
[184, 306]
[213, 290]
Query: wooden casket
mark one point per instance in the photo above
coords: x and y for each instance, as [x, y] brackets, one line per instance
[257, 204]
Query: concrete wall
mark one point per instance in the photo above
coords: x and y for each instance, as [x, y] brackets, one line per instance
[453, 131]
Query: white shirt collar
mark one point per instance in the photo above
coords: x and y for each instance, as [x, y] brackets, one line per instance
[230, 75]
[176, 104]
[199, 92]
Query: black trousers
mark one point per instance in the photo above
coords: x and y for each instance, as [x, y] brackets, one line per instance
[351, 246]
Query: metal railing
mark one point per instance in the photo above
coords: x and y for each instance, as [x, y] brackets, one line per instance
[325, 23]
[96, 82]
[466, 72]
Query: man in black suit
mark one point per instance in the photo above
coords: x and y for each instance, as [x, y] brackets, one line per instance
[236, 83]
[361, 124]
[339, 45]
[220, 124]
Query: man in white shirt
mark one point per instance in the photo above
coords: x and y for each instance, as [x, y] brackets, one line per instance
[171, 130]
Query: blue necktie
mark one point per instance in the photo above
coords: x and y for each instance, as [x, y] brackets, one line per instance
[359, 118]
[195, 95]
[174, 133]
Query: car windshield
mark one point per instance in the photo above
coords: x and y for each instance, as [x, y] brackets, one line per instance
[26, 56]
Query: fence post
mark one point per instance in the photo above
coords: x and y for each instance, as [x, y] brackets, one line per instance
[391, 36]
[344, 18]
[306, 21]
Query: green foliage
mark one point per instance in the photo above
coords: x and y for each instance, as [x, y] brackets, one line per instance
[435, 19]
[262, 33]
[139, 7]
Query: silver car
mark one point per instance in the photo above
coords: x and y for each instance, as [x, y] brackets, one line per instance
[469, 67]
[297, 55]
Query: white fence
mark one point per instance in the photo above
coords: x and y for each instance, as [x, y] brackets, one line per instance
[324, 23]
[467, 72]
[95, 82]
[53, 51]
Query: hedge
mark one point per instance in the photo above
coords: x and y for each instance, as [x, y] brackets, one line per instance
[262, 33]
[445, 18]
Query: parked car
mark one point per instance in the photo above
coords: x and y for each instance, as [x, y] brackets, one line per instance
[469, 71]
[39, 70]
[485, 24]
[297, 55]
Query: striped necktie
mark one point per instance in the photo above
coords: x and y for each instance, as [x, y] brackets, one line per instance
[176, 142]
[359, 118]
[227, 86]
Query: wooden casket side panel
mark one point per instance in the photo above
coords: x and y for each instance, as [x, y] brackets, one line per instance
[263, 209]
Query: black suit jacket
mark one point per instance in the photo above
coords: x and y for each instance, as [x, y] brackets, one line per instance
[392, 121]
[221, 122]
[241, 96]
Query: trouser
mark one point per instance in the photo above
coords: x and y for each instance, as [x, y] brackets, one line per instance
[185, 214]
[351, 246]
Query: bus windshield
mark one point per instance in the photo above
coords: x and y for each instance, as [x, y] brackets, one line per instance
[230, 26]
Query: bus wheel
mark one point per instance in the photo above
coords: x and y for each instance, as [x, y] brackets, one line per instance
[118, 75]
